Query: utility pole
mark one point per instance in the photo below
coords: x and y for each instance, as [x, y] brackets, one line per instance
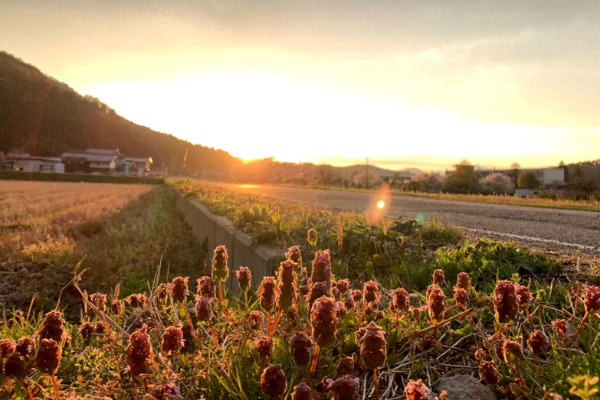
[367, 174]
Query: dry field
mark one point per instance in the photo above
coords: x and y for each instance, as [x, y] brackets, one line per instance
[41, 219]
[122, 232]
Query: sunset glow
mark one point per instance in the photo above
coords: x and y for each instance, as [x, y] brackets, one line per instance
[335, 81]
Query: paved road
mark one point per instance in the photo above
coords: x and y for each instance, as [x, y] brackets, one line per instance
[550, 228]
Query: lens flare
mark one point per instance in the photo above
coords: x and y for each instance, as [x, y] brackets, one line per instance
[380, 203]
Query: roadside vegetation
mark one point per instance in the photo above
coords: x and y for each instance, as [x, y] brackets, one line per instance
[377, 310]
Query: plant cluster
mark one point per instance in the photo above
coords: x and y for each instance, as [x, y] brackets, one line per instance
[307, 334]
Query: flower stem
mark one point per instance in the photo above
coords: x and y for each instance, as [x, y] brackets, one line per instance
[275, 323]
[212, 333]
[585, 317]
[55, 386]
[315, 362]
[375, 385]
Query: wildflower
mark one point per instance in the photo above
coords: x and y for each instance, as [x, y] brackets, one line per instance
[591, 299]
[137, 300]
[172, 341]
[7, 346]
[269, 292]
[244, 278]
[317, 290]
[400, 300]
[461, 296]
[438, 277]
[345, 388]
[189, 344]
[179, 289]
[505, 302]
[349, 303]
[203, 308]
[294, 255]
[303, 392]
[301, 348]
[436, 303]
[206, 287]
[489, 373]
[312, 237]
[345, 366]
[356, 295]
[341, 309]
[343, 285]
[335, 292]
[561, 327]
[255, 320]
[523, 296]
[512, 351]
[53, 327]
[321, 267]
[288, 285]
[272, 381]
[372, 345]
[416, 390]
[371, 293]
[166, 391]
[18, 362]
[324, 321]
[117, 307]
[161, 293]
[303, 291]
[264, 346]
[101, 328]
[99, 300]
[463, 281]
[220, 270]
[538, 342]
[48, 356]
[140, 355]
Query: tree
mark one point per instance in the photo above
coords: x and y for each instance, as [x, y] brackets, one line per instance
[427, 182]
[496, 183]
[527, 180]
[463, 179]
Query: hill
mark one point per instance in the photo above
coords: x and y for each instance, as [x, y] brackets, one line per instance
[43, 116]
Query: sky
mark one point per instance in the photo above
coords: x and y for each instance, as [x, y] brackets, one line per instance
[418, 83]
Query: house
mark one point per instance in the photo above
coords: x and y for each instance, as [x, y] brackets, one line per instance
[92, 160]
[27, 163]
[136, 165]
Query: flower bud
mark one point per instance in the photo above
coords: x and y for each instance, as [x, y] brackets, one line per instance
[117, 307]
[269, 292]
[137, 300]
[53, 327]
[439, 277]
[312, 237]
[272, 381]
[303, 392]
[505, 302]
[345, 366]
[99, 300]
[523, 296]
[371, 293]
[288, 285]
[189, 341]
[461, 297]
[294, 255]
[512, 351]
[140, 355]
[255, 320]
[591, 299]
[244, 278]
[48, 356]
[219, 263]
[264, 346]
[317, 290]
[321, 267]
[463, 281]
[436, 303]
[179, 289]
[489, 373]
[206, 287]
[172, 341]
[344, 388]
[372, 346]
[400, 300]
[416, 390]
[538, 342]
[324, 321]
[301, 348]
[203, 308]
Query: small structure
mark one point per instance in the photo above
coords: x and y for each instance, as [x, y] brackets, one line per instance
[136, 165]
[27, 163]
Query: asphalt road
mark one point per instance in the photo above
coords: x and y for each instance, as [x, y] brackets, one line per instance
[545, 227]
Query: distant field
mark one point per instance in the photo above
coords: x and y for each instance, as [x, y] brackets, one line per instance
[123, 231]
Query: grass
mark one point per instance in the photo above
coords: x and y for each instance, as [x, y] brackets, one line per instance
[415, 348]
[122, 233]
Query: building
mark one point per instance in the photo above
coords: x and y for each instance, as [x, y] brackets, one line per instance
[27, 163]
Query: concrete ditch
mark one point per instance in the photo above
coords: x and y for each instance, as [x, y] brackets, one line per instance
[212, 231]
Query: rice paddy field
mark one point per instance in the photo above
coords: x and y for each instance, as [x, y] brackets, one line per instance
[353, 311]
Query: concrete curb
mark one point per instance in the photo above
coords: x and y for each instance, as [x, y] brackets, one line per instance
[212, 231]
